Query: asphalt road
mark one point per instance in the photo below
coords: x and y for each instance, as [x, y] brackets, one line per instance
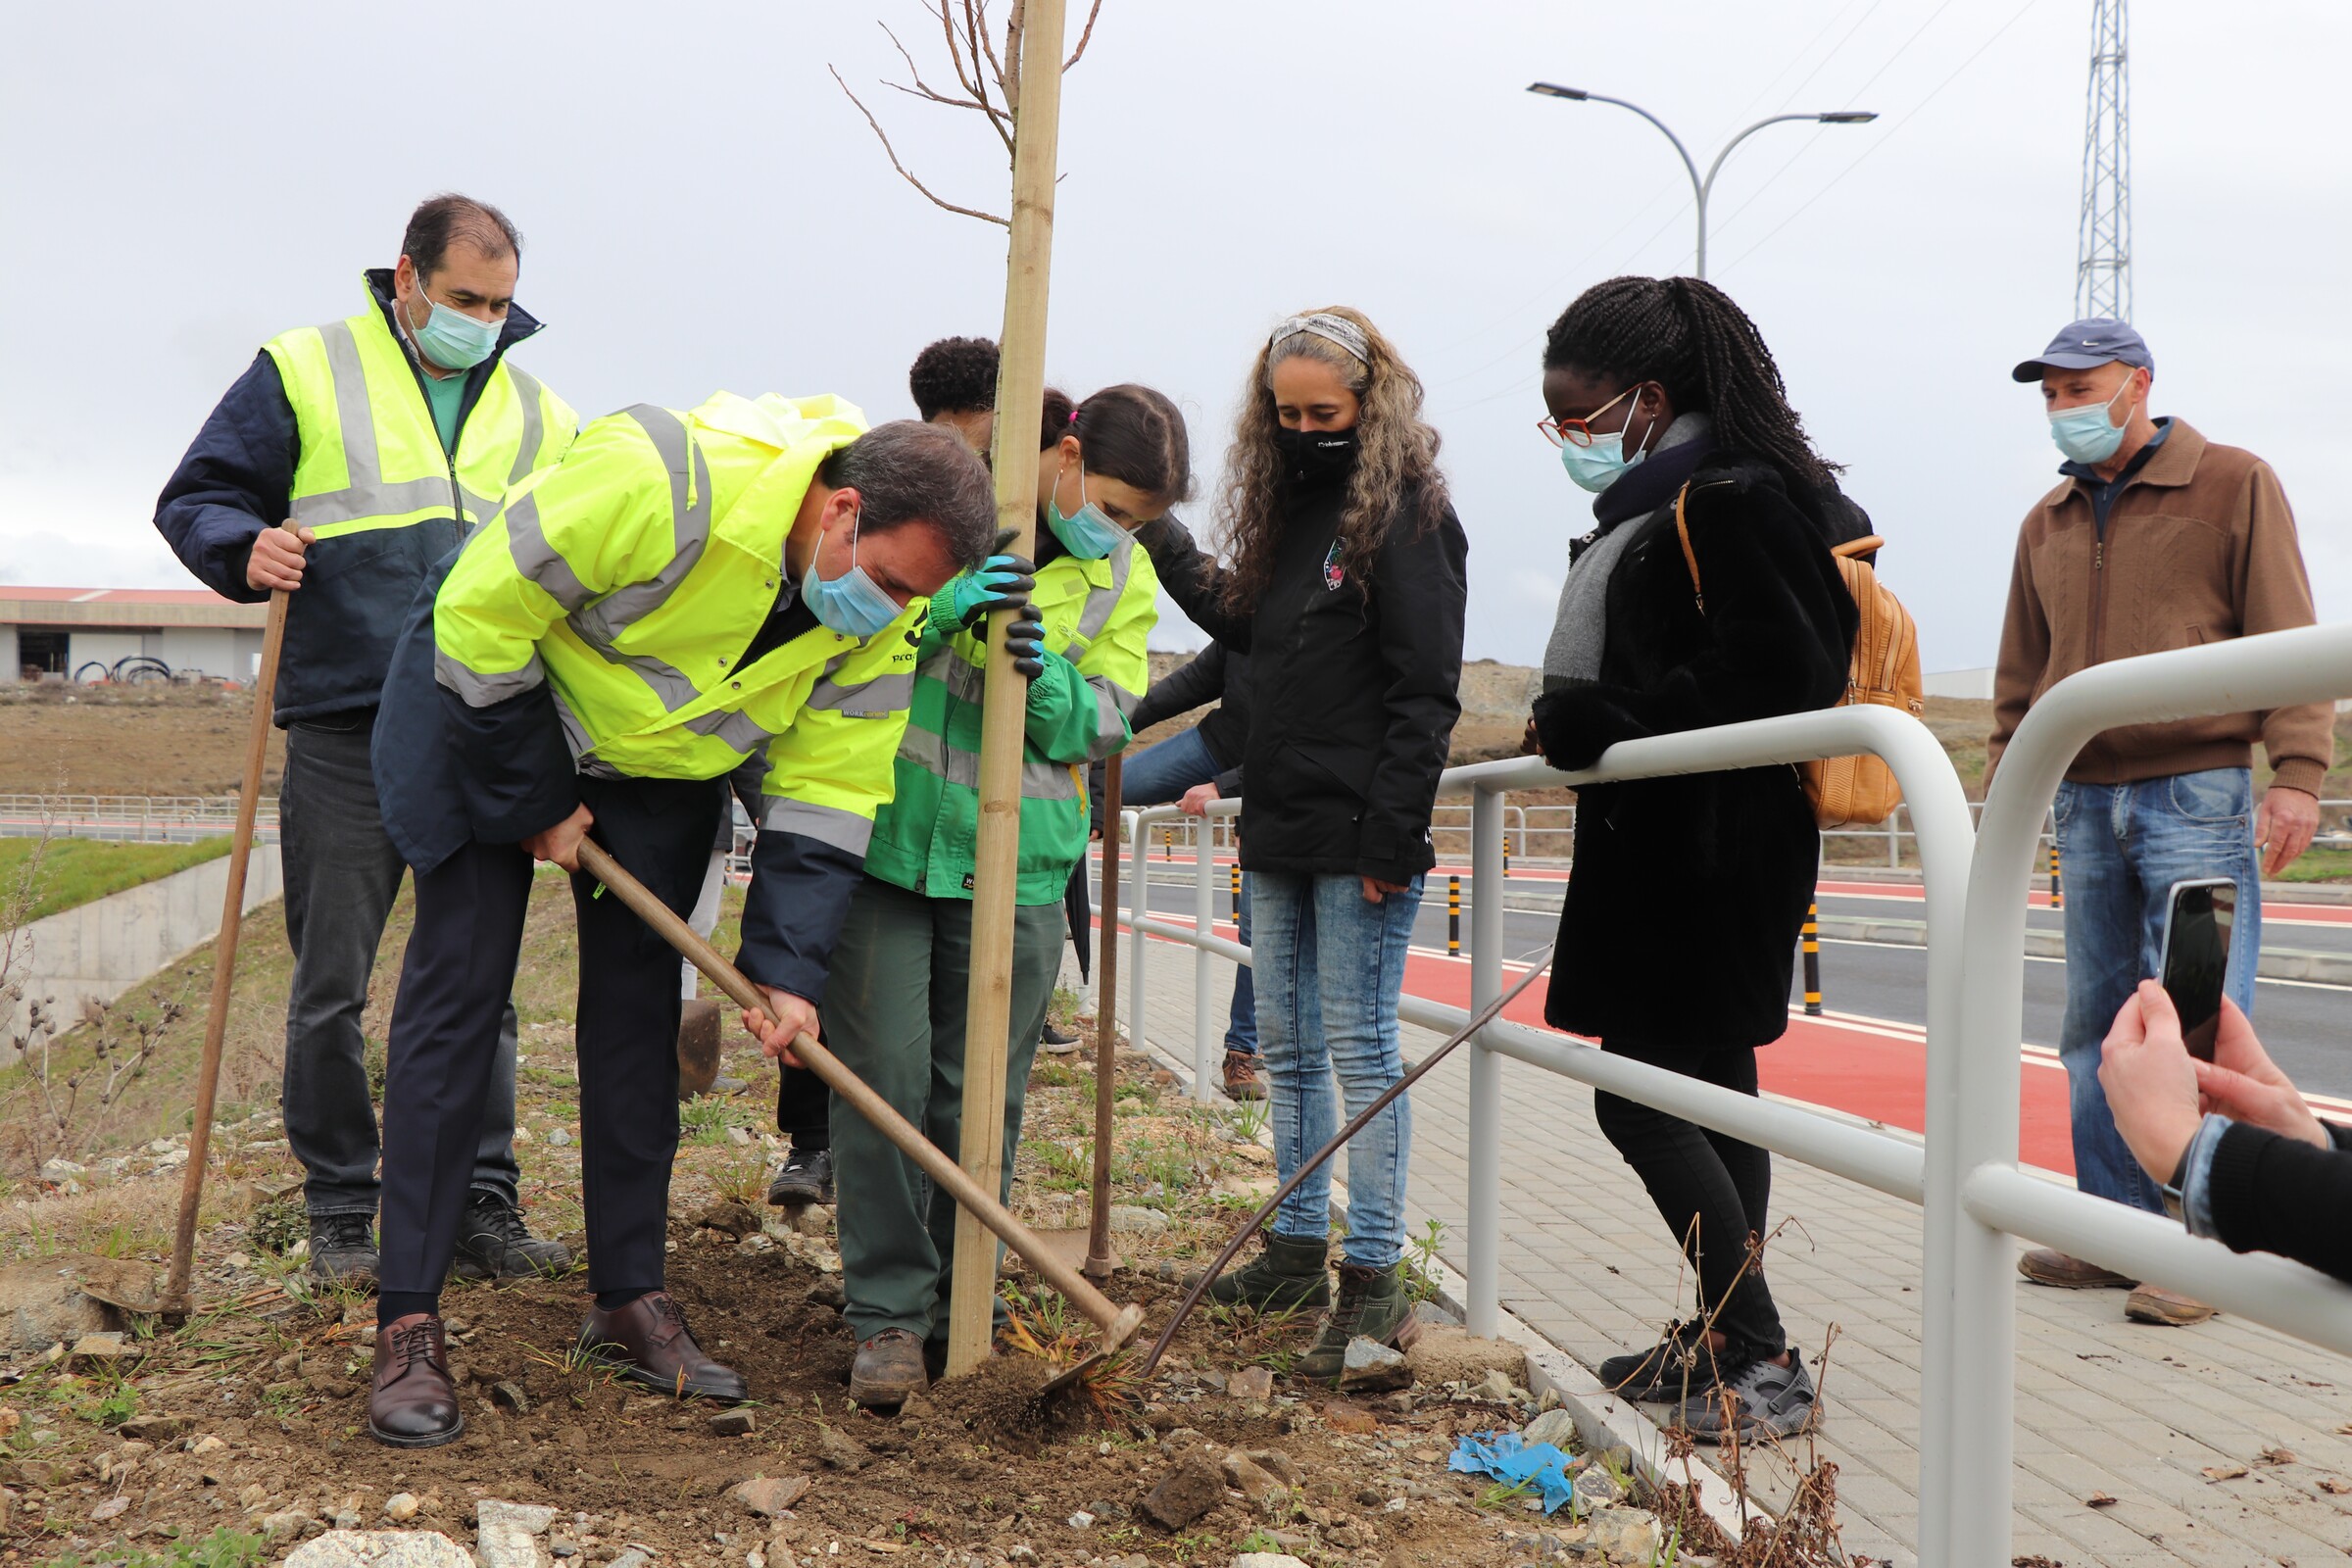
[2307, 1028]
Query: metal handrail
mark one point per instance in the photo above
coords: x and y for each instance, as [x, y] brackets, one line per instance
[1976, 1195]
[1977, 861]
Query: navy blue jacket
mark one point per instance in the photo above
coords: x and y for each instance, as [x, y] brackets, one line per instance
[238, 478]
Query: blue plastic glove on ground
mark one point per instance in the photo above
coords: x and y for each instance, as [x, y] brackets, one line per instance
[1001, 581]
[1507, 1457]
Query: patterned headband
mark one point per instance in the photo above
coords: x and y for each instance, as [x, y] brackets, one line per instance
[1332, 328]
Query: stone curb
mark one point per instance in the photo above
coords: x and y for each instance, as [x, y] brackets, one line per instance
[1602, 1420]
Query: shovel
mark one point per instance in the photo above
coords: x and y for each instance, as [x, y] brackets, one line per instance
[1118, 1323]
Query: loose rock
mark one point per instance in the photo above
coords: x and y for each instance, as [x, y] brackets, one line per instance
[731, 1422]
[380, 1549]
[509, 1398]
[1371, 1368]
[1278, 1464]
[1267, 1559]
[1134, 1219]
[401, 1505]
[772, 1494]
[506, 1533]
[1185, 1494]
[155, 1428]
[99, 1349]
[1595, 1488]
[1625, 1532]
[1351, 1418]
[1555, 1427]
[1445, 1353]
[841, 1452]
[1252, 1383]
[1251, 1479]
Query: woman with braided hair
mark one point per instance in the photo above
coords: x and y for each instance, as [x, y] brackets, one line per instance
[1681, 920]
[1345, 586]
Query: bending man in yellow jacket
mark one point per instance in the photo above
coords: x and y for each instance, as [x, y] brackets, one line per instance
[683, 592]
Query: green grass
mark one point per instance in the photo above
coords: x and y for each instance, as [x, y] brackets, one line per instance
[75, 871]
[2320, 866]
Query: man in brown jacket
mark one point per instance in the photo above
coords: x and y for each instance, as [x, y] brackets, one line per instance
[2156, 539]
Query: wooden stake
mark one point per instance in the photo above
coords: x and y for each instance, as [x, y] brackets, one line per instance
[1020, 387]
[225, 958]
[1099, 1259]
[1118, 1323]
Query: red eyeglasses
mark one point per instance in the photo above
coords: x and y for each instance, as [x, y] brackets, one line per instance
[1580, 432]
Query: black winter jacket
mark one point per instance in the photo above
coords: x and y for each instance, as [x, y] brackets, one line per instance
[1683, 907]
[2280, 1195]
[1353, 689]
[238, 478]
[1212, 675]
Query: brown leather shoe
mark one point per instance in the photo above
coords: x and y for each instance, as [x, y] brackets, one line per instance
[888, 1369]
[2046, 1265]
[646, 1342]
[2153, 1303]
[1243, 1080]
[412, 1403]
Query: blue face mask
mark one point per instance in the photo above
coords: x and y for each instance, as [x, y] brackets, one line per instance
[848, 603]
[1599, 466]
[1090, 535]
[452, 339]
[2090, 433]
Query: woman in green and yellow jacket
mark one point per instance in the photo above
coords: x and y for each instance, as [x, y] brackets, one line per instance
[894, 1007]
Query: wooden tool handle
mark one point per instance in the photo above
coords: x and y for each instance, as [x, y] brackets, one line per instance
[1118, 1324]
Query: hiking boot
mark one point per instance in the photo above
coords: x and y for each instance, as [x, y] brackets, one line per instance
[1759, 1399]
[1290, 1273]
[1243, 1080]
[1675, 1367]
[889, 1368]
[1373, 1304]
[2153, 1303]
[343, 1250]
[646, 1342]
[2046, 1265]
[1056, 1040]
[807, 1178]
[412, 1402]
[494, 1244]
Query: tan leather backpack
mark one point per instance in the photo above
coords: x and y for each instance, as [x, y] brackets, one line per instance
[1853, 791]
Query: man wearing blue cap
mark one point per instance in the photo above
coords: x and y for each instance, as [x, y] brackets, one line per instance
[2155, 539]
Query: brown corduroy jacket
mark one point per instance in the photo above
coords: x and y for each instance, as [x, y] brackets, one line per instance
[2199, 546]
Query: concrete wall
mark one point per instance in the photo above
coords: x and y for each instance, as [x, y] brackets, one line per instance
[207, 649]
[105, 948]
[1970, 683]
[105, 647]
[10, 667]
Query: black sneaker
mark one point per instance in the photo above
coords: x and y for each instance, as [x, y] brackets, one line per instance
[807, 1178]
[1757, 1401]
[1660, 1372]
[343, 1250]
[1056, 1040]
[494, 1244]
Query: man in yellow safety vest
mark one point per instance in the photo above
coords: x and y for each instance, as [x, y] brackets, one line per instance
[384, 438]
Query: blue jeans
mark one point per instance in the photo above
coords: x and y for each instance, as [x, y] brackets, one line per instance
[1330, 968]
[1156, 775]
[2122, 847]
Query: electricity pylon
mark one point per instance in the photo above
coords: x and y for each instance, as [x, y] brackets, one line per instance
[2103, 243]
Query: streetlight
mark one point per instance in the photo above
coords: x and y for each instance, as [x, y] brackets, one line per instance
[1700, 187]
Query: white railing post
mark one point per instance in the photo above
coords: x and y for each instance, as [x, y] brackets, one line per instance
[1139, 904]
[1206, 1081]
[1484, 1215]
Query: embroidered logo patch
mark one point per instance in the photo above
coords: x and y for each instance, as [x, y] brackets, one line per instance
[1332, 574]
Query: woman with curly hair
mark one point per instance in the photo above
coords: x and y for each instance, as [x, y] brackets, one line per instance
[1344, 583]
[1660, 389]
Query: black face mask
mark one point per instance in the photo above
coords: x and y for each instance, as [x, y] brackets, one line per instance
[1312, 456]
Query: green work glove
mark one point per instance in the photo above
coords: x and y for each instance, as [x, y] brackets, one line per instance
[1003, 582]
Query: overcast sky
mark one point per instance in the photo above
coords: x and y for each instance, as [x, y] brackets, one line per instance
[703, 208]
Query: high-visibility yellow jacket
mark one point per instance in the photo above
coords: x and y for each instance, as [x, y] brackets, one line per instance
[370, 478]
[612, 601]
[1098, 615]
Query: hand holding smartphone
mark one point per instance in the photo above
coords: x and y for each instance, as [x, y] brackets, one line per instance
[2194, 968]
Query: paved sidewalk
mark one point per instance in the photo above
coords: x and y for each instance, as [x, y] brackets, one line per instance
[2103, 1405]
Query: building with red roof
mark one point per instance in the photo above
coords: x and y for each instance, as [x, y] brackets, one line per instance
[91, 634]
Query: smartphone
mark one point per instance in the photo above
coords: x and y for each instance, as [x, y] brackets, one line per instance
[2195, 965]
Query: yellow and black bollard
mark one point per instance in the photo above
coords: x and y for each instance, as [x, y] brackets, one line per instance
[1506, 855]
[2057, 888]
[1167, 841]
[1813, 960]
[1237, 892]
[1454, 916]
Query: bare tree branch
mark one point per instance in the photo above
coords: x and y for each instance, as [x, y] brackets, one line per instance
[970, 80]
[903, 172]
[998, 120]
[1086, 36]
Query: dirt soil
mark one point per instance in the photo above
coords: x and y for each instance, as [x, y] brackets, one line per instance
[244, 1431]
[128, 740]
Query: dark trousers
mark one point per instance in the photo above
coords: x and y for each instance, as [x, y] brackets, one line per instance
[444, 1022]
[628, 1032]
[342, 874]
[804, 1108]
[1712, 1190]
